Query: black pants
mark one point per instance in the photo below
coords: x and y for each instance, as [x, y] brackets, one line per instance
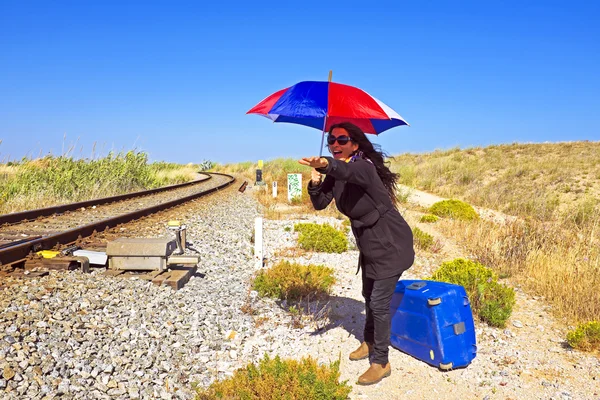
[378, 295]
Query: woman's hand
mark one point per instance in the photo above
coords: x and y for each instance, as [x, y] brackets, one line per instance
[315, 177]
[315, 162]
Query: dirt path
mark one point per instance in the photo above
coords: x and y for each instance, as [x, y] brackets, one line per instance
[527, 360]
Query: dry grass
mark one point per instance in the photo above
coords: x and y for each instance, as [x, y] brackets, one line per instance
[528, 180]
[553, 248]
[559, 264]
[185, 173]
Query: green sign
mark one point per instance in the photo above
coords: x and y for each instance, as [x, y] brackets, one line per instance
[294, 186]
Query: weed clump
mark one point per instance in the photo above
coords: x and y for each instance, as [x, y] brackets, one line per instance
[490, 300]
[275, 379]
[291, 281]
[454, 209]
[585, 337]
[429, 218]
[323, 238]
[422, 240]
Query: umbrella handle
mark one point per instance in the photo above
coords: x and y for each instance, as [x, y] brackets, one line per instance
[324, 122]
[323, 136]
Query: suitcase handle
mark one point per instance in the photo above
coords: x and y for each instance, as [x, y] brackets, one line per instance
[466, 302]
[416, 285]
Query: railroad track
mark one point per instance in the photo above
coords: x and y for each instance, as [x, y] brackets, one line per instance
[24, 233]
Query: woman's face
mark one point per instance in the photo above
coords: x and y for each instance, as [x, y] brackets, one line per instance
[341, 151]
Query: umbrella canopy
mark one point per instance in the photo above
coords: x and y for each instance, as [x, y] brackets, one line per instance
[322, 104]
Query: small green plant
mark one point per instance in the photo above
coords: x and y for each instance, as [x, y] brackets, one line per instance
[275, 379]
[293, 281]
[324, 238]
[490, 300]
[423, 240]
[293, 310]
[429, 218]
[287, 229]
[585, 337]
[454, 209]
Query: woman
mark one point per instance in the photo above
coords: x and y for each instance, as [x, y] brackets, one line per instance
[364, 191]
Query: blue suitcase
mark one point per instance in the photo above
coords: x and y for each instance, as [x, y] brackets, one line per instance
[432, 321]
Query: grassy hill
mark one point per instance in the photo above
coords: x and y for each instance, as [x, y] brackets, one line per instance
[529, 180]
[553, 248]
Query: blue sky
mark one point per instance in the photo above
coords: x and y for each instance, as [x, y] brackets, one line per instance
[175, 78]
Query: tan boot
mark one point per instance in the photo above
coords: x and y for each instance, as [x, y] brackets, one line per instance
[362, 352]
[375, 373]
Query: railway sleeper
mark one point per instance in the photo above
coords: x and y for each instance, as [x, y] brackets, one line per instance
[176, 277]
[58, 264]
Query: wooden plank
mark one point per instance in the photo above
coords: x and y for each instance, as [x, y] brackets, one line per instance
[185, 260]
[55, 264]
[149, 275]
[180, 277]
[161, 278]
[154, 274]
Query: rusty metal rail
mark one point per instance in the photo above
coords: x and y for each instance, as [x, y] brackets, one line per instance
[17, 252]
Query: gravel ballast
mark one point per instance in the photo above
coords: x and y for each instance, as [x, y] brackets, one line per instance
[86, 336]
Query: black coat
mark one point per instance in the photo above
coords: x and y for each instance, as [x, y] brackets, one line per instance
[383, 237]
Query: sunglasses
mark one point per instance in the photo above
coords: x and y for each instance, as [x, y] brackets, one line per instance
[342, 140]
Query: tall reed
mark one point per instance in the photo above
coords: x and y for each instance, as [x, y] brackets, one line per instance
[33, 183]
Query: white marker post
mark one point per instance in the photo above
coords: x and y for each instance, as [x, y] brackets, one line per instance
[274, 189]
[258, 242]
[294, 186]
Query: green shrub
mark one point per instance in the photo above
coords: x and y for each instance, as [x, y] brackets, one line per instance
[455, 209]
[275, 379]
[490, 300]
[422, 240]
[324, 238]
[293, 281]
[585, 337]
[429, 218]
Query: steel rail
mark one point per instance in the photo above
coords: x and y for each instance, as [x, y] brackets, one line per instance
[16, 253]
[16, 242]
[44, 212]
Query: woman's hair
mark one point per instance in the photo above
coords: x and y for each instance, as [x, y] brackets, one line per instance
[374, 153]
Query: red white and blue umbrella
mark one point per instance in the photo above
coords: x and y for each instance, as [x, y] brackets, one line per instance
[322, 104]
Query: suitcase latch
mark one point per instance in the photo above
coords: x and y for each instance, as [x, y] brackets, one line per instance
[459, 328]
